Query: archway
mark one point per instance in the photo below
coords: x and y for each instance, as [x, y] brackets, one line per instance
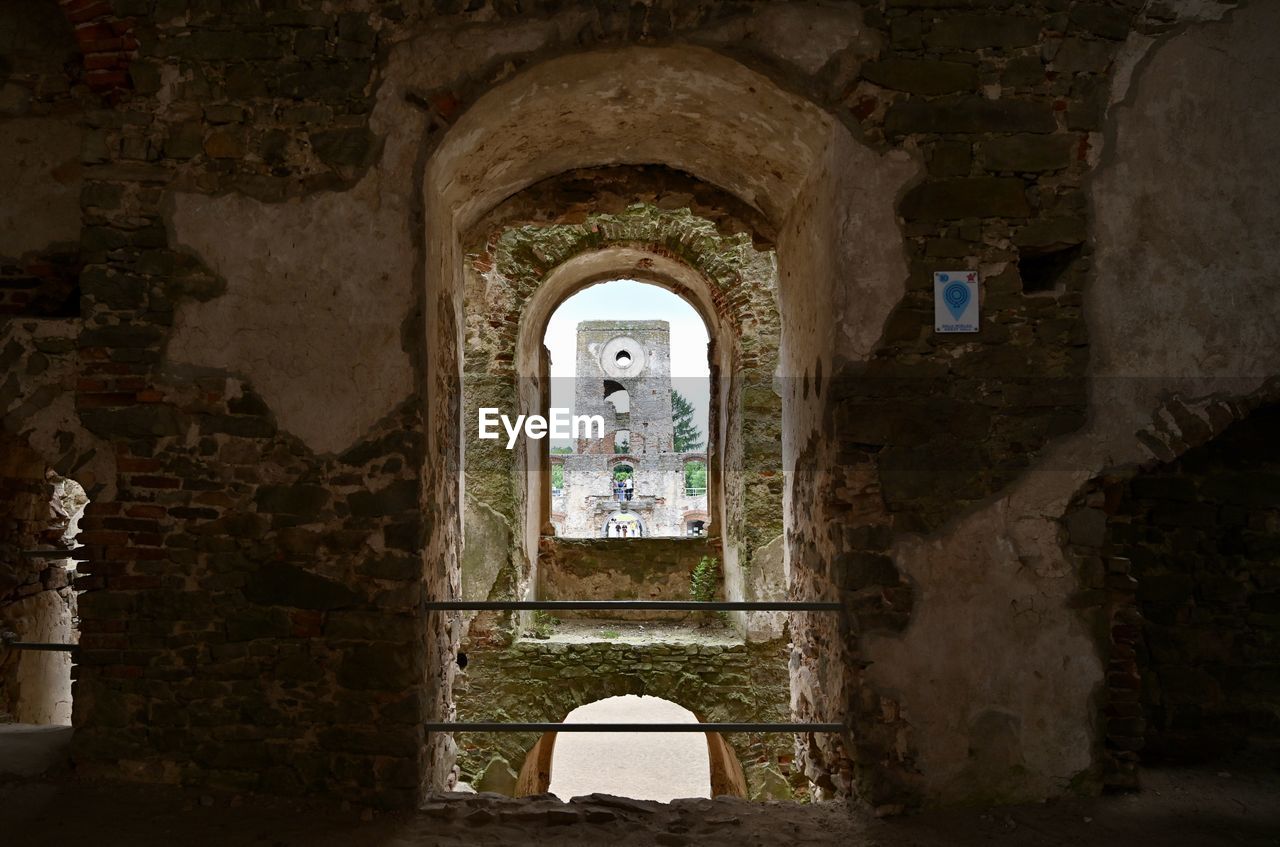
[626, 764]
[778, 154]
[37, 594]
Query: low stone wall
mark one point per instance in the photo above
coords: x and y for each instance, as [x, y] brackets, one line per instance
[546, 680]
[621, 569]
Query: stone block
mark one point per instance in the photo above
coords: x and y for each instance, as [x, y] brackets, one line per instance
[383, 666]
[303, 499]
[1076, 55]
[1106, 21]
[1051, 234]
[278, 584]
[1023, 72]
[950, 158]
[1029, 153]
[974, 31]
[399, 496]
[978, 197]
[969, 114]
[133, 422]
[922, 77]
[1087, 527]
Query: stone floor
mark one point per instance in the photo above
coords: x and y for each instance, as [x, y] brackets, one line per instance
[1178, 808]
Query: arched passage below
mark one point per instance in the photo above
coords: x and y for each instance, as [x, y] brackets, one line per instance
[723, 770]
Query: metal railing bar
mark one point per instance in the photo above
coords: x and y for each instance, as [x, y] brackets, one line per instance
[483, 726]
[626, 605]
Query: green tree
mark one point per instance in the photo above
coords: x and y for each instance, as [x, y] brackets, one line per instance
[695, 475]
[557, 476]
[687, 435]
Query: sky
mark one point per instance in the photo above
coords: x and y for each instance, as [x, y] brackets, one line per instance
[623, 300]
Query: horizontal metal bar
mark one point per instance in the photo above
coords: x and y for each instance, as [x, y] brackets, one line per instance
[40, 645]
[628, 605]
[634, 727]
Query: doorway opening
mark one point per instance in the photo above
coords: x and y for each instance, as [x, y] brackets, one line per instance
[660, 766]
[37, 593]
[648, 348]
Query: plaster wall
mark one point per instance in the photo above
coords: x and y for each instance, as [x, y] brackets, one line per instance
[1182, 227]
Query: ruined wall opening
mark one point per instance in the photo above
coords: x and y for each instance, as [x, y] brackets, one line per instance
[42, 512]
[1201, 539]
[794, 175]
[642, 766]
[650, 349]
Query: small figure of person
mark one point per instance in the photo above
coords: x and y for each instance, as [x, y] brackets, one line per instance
[623, 528]
[619, 490]
[629, 487]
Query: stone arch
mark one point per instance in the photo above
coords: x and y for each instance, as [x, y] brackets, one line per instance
[825, 194]
[727, 776]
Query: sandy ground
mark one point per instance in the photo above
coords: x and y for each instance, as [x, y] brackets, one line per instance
[1216, 807]
[643, 765]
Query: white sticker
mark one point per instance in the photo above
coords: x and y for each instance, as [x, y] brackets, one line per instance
[955, 301]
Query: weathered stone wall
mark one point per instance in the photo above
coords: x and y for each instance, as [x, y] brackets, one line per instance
[659, 498]
[516, 253]
[1201, 535]
[37, 602]
[717, 681]
[617, 569]
[243, 389]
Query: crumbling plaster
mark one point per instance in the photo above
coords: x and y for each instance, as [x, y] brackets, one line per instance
[1181, 305]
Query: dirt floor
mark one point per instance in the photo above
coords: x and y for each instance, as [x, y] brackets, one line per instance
[1178, 808]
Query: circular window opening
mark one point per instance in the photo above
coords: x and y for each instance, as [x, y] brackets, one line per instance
[623, 359]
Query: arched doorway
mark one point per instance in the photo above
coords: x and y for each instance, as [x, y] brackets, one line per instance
[796, 166]
[644, 766]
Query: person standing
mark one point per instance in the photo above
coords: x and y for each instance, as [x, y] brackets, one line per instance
[629, 487]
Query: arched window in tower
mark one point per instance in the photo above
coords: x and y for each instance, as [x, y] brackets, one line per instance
[617, 397]
[636, 354]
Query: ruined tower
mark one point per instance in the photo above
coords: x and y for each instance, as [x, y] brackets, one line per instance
[623, 373]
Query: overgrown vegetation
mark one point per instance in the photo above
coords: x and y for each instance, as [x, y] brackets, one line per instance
[704, 585]
[609, 633]
[704, 582]
[544, 623]
[695, 475]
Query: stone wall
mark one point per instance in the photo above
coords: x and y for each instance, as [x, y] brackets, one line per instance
[261, 389]
[659, 498]
[1202, 536]
[621, 569]
[717, 681]
[516, 253]
[37, 602]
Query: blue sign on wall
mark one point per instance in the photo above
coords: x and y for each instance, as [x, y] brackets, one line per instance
[955, 301]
